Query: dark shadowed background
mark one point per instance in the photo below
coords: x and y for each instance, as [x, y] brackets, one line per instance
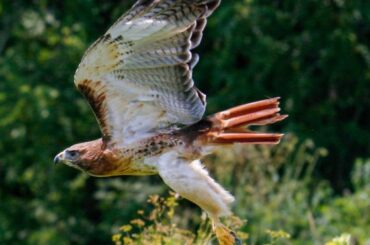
[314, 54]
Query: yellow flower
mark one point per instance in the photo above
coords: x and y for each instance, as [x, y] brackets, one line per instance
[153, 199]
[243, 235]
[344, 239]
[116, 237]
[128, 241]
[278, 234]
[138, 222]
[125, 228]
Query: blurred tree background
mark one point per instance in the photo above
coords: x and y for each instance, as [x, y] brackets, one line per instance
[314, 54]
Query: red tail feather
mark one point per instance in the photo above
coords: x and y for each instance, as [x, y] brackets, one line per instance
[229, 126]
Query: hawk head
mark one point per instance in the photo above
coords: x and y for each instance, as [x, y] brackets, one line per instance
[81, 156]
[94, 158]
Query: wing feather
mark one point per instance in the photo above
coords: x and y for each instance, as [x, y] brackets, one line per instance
[142, 69]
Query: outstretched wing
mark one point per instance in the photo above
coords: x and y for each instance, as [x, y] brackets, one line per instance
[191, 181]
[138, 76]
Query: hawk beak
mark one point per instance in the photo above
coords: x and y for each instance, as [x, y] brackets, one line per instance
[58, 158]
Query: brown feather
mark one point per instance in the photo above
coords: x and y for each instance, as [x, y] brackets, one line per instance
[95, 94]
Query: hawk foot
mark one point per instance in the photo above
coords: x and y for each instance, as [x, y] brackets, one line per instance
[226, 237]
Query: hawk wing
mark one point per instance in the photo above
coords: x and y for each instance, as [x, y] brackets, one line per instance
[138, 76]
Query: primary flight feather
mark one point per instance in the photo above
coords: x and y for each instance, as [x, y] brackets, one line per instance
[138, 80]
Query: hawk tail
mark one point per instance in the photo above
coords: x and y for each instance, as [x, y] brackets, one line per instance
[230, 126]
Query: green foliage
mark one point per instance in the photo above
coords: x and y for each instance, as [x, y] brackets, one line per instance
[315, 54]
[276, 190]
[282, 202]
[159, 227]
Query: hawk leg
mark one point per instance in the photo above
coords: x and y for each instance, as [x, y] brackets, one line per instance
[191, 181]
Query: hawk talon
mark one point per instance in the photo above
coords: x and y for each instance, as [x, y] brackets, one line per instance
[226, 236]
[237, 239]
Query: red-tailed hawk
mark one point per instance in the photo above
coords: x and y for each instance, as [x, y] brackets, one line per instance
[137, 79]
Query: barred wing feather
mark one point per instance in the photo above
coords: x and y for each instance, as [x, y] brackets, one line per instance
[138, 76]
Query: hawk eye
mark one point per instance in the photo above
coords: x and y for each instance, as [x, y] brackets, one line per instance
[72, 154]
